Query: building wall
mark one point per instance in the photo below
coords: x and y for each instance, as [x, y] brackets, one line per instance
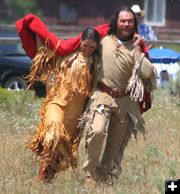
[95, 12]
[4, 9]
[171, 30]
[173, 14]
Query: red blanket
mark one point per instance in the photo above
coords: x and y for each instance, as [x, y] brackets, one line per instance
[30, 25]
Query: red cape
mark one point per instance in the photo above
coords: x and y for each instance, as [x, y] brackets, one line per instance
[30, 25]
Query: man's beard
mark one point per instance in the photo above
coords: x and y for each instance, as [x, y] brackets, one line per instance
[125, 38]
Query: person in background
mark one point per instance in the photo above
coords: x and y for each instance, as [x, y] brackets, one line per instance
[177, 84]
[57, 136]
[165, 78]
[144, 30]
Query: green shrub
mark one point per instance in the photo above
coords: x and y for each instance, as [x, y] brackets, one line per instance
[19, 102]
[177, 84]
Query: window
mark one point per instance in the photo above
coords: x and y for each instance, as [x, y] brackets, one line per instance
[67, 13]
[155, 12]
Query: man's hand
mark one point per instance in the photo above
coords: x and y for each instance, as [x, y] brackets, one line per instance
[137, 44]
[137, 40]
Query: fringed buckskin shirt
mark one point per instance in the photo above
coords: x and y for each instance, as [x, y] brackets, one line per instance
[119, 62]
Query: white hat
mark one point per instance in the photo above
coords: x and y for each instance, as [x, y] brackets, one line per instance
[136, 9]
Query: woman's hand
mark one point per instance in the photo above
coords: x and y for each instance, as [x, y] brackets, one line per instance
[38, 42]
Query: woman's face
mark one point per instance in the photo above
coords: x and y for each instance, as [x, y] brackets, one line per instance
[88, 47]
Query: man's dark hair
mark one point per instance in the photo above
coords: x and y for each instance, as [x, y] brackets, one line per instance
[113, 22]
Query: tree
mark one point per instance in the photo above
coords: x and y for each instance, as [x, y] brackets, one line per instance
[19, 8]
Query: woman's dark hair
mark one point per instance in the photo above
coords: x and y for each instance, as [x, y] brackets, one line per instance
[113, 22]
[91, 34]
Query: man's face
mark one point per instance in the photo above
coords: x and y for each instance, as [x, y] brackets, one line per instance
[125, 25]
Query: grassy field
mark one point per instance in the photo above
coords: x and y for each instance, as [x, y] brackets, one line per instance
[146, 165]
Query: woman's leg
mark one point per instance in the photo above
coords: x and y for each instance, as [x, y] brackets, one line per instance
[54, 152]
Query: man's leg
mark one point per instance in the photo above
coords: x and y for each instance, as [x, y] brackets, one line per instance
[118, 131]
[95, 137]
[118, 159]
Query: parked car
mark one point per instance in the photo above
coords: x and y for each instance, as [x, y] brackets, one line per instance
[15, 66]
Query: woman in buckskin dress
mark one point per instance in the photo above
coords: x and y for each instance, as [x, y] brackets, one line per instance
[70, 81]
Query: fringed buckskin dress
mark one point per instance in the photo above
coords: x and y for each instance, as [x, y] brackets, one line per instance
[57, 136]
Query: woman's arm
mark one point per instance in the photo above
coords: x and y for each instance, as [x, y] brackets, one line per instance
[38, 42]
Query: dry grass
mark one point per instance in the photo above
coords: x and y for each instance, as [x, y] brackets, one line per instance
[146, 165]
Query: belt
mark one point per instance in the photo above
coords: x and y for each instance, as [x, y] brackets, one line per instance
[113, 92]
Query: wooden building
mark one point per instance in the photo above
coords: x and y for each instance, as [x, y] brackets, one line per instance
[82, 12]
[162, 15]
[4, 9]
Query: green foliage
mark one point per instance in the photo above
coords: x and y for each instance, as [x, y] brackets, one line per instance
[175, 47]
[159, 182]
[17, 102]
[21, 7]
[177, 84]
[152, 154]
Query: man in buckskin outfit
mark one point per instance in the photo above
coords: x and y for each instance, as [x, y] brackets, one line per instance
[113, 112]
